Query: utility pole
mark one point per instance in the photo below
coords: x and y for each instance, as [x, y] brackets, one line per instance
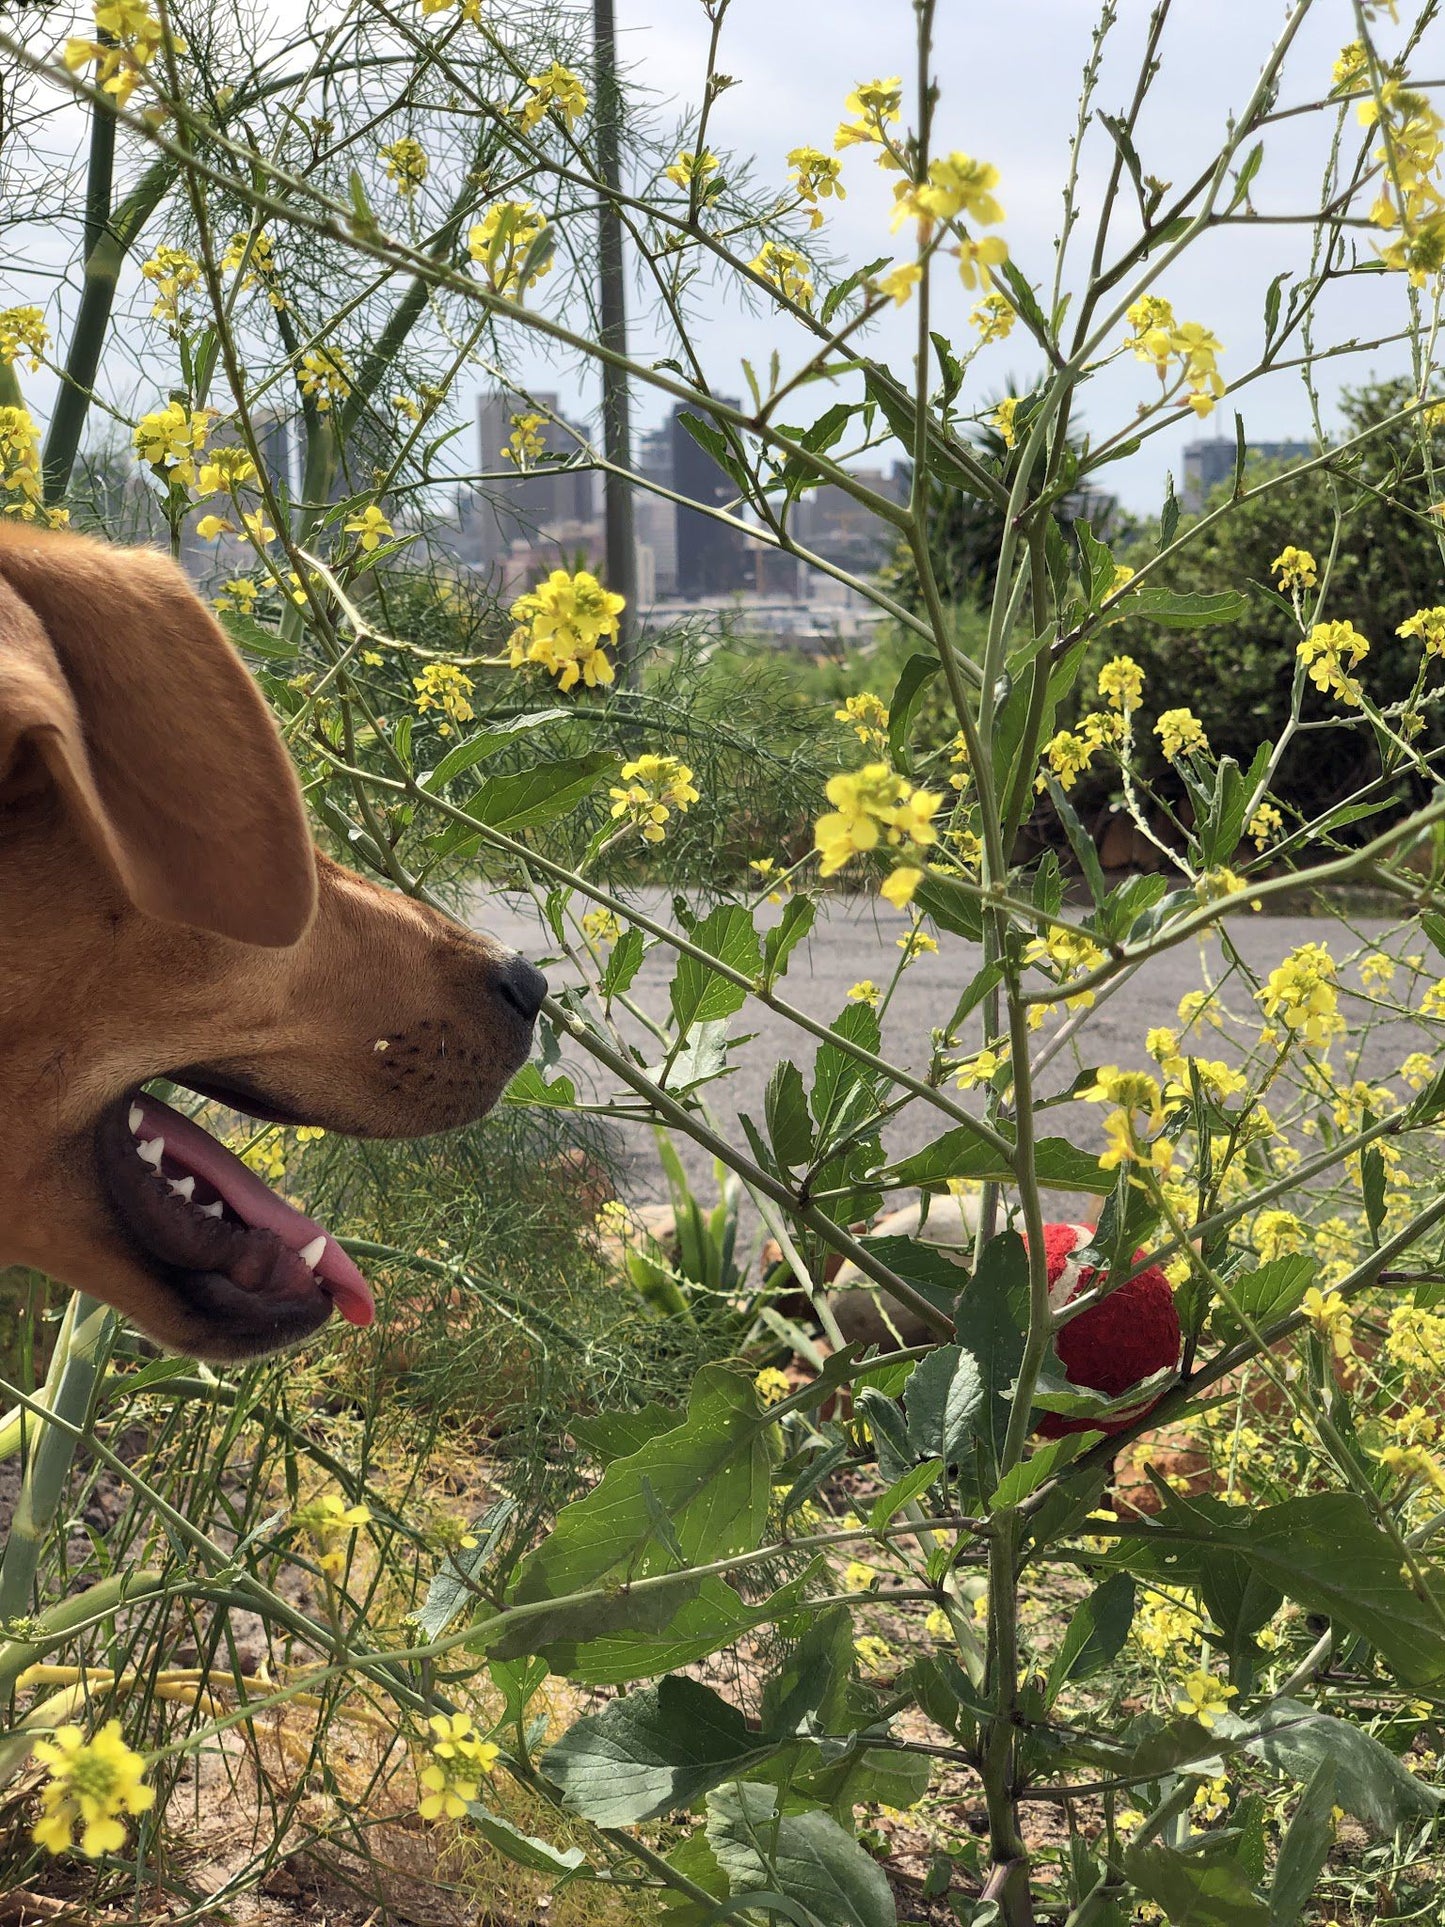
[616, 423]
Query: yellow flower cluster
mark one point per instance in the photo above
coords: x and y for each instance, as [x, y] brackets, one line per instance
[1160, 339]
[652, 787]
[525, 444]
[468, 9]
[370, 527]
[23, 332]
[557, 89]
[454, 1773]
[91, 1784]
[994, 317]
[169, 439]
[1064, 954]
[1135, 1095]
[1121, 684]
[1325, 650]
[771, 1386]
[172, 273]
[690, 167]
[20, 462]
[1414, 1462]
[330, 1521]
[133, 38]
[253, 253]
[1295, 568]
[1427, 625]
[1409, 197]
[1205, 1698]
[563, 624]
[874, 106]
[1278, 1234]
[324, 374]
[1265, 823]
[875, 808]
[406, 164]
[1002, 419]
[503, 242]
[1167, 1620]
[601, 925]
[816, 177]
[1350, 65]
[443, 687]
[787, 269]
[1330, 1316]
[1415, 1339]
[1302, 993]
[238, 594]
[865, 991]
[868, 715]
[1180, 733]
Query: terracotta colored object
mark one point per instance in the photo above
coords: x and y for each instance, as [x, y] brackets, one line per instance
[1128, 1336]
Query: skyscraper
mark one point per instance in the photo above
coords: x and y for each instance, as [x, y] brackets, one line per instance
[711, 558]
[520, 509]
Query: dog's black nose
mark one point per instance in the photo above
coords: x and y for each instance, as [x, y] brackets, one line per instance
[523, 986]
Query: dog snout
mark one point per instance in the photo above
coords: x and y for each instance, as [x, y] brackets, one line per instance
[523, 986]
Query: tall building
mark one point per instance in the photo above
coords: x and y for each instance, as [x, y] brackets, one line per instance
[527, 508]
[655, 517]
[1207, 464]
[833, 524]
[712, 558]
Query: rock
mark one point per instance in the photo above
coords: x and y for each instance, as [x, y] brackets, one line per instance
[859, 1307]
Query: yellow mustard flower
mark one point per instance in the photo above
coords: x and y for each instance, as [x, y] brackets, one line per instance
[504, 242]
[23, 332]
[650, 784]
[690, 167]
[994, 318]
[1331, 649]
[526, 443]
[1265, 823]
[1002, 419]
[1295, 568]
[563, 624]
[771, 1386]
[1301, 992]
[169, 439]
[816, 177]
[324, 375]
[874, 106]
[875, 808]
[443, 687]
[1205, 1698]
[898, 284]
[173, 273]
[865, 991]
[555, 90]
[406, 164]
[91, 1783]
[1328, 1312]
[1180, 733]
[459, 1762]
[20, 462]
[1428, 625]
[370, 527]
[1121, 683]
[787, 269]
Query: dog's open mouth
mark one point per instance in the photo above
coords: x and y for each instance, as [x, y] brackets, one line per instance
[242, 1250]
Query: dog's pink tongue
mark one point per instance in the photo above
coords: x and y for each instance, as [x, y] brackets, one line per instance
[254, 1201]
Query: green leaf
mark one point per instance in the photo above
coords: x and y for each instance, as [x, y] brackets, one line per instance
[607, 1648]
[255, 638]
[524, 1849]
[711, 1476]
[660, 1748]
[1095, 1635]
[988, 1329]
[699, 995]
[617, 1435]
[486, 742]
[838, 1077]
[1322, 1550]
[1369, 1780]
[786, 934]
[805, 1857]
[529, 797]
[1041, 1465]
[710, 437]
[1304, 1849]
[530, 1087]
[809, 1688]
[1172, 609]
[785, 1110]
[913, 680]
[1269, 1293]
[624, 963]
[454, 1586]
[959, 1153]
[1096, 564]
[903, 1492]
[1193, 1891]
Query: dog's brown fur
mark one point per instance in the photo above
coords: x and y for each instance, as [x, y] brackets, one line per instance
[163, 912]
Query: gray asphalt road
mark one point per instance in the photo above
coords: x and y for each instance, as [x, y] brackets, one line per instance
[856, 938]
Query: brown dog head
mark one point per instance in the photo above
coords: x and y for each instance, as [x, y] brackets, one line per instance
[164, 914]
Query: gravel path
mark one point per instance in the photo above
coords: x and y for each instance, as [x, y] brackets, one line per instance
[856, 938]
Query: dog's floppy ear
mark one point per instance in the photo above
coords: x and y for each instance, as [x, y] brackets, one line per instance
[123, 686]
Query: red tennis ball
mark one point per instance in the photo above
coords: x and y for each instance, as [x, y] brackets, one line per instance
[1128, 1336]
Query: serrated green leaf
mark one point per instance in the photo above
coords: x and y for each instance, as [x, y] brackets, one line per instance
[699, 994]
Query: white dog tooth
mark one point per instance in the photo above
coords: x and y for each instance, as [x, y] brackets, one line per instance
[210, 1210]
[311, 1254]
[182, 1188]
[151, 1152]
[136, 1119]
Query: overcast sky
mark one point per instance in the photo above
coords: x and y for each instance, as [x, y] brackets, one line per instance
[1009, 75]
